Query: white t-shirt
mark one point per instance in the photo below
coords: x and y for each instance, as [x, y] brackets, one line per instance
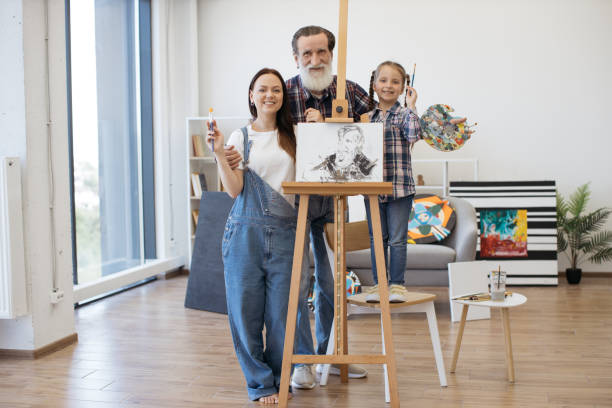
[267, 159]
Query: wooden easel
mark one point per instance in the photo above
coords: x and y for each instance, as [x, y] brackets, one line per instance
[340, 355]
[339, 191]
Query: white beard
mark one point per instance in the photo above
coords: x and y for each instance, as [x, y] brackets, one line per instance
[316, 83]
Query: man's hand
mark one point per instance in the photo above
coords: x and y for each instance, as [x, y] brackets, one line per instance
[313, 115]
[233, 157]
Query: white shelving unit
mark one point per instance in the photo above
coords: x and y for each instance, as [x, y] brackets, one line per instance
[204, 164]
[444, 188]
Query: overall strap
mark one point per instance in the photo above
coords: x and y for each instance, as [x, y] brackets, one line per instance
[246, 145]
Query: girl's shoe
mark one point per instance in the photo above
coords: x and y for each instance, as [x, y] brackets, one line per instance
[373, 296]
[397, 294]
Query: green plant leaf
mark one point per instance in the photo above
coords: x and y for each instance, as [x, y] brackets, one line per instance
[598, 241]
[561, 210]
[561, 242]
[603, 255]
[592, 222]
[579, 199]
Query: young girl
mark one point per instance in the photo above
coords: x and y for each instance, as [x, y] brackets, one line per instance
[401, 131]
[260, 233]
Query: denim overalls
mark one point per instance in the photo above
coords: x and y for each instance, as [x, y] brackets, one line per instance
[257, 256]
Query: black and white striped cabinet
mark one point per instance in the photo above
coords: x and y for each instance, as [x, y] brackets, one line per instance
[539, 267]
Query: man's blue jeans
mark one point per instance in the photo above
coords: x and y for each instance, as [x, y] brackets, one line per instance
[320, 212]
[394, 216]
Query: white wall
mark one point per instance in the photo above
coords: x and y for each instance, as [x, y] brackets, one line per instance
[23, 126]
[535, 75]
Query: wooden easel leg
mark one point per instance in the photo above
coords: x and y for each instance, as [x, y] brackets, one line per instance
[464, 312]
[384, 299]
[341, 339]
[294, 294]
[509, 358]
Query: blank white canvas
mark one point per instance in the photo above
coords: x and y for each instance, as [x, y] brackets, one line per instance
[466, 278]
[334, 152]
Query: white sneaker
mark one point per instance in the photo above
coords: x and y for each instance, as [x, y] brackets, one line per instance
[354, 370]
[373, 296]
[303, 378]
[398, 294]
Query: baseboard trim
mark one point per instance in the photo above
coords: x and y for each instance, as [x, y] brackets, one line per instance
[592, 274]
[49, 348]
[173, 273]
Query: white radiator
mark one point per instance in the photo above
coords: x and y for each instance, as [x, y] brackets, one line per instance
[13, 302]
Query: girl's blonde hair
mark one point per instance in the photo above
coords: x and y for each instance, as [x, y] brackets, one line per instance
[376, 72]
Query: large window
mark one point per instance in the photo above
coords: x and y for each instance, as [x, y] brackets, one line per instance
[111, 136]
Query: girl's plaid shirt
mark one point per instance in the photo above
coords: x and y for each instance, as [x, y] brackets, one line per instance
[401, 129]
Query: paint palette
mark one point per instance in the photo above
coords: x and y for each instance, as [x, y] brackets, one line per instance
[439, 132]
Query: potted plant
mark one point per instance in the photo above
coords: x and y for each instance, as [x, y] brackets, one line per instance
[581, 234]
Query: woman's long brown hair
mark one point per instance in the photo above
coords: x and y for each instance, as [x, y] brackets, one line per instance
[284, 120]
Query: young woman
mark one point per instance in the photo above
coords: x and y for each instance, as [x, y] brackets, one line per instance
[260, 233]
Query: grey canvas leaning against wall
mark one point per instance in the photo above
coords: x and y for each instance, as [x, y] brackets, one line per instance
[339, 152]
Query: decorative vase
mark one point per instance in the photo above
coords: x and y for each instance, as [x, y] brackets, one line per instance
[573, 275]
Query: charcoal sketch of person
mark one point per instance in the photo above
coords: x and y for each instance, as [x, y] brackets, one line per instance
[348, 163]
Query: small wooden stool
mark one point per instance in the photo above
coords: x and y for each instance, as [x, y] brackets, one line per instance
[416, 303]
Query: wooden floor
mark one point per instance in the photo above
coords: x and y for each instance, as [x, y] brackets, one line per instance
[142, 348]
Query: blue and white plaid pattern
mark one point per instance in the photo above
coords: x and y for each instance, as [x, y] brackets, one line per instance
[301, 99]
[401, 128]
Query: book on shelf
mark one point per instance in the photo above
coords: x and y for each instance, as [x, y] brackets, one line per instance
[203, 184]
[198, 145]
[198, 184]
[195, 214]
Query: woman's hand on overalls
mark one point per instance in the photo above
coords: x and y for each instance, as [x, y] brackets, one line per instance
[215, 139]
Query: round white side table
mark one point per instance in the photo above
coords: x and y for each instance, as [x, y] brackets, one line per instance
[516, 299]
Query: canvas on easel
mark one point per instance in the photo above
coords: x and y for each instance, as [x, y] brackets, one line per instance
[339, 152]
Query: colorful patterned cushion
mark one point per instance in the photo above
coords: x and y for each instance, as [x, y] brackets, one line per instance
[353, 285]
[431, 219]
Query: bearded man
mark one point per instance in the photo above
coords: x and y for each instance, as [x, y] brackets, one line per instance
[312, 91]
[310, 95]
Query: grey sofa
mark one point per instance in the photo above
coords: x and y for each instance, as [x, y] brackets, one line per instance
[427, 264]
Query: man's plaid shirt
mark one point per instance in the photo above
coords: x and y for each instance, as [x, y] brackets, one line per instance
[301, 99]
[401, 128]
